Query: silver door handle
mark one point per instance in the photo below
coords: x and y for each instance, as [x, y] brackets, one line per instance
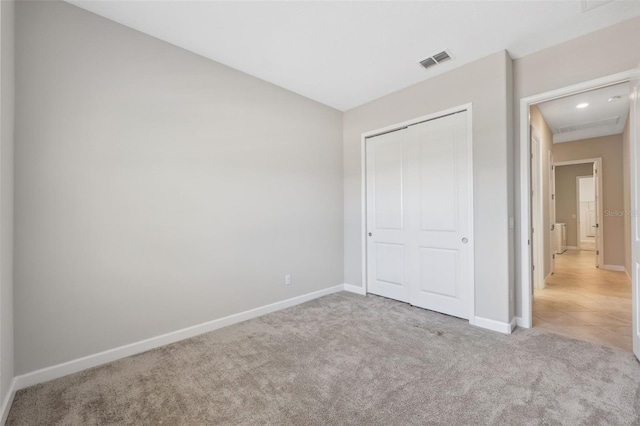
[465, 240]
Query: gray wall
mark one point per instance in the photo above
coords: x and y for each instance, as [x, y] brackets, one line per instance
[610, 149]
[484, 83]
[563, 65]
[6, 193]
[156, 189]
[567, 197]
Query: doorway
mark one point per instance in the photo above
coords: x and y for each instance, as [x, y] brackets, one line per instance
[587, 212]
[578, 190]
[572, 257]
[419, 221]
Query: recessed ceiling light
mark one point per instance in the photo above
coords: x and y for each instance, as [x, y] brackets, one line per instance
[582, 105]
[614, 98]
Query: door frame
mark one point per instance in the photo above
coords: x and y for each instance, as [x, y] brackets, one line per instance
[525, 319]
[363, 182]
[552, 213]
[599, 207]
[579, 210]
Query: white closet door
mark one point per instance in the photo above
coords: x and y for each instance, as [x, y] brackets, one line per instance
[386, 245]
[438, 204]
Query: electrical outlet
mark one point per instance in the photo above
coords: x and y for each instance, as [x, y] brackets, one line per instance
[287, 279]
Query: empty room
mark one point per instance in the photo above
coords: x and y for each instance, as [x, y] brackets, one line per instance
[323, 212]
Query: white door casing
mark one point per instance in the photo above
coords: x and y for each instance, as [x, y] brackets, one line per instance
[552, 213]
[419, 215]
[634, 213]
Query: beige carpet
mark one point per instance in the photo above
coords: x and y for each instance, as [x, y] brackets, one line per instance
[349, 360]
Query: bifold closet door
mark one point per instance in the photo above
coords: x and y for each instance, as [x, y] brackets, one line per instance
[418, 215]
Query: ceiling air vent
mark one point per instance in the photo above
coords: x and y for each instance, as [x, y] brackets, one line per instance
[436, 59]
[589, 125]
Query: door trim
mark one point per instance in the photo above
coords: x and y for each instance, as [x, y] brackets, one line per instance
[525, 183]
[579, 210]
[363, 188]
[552, 213]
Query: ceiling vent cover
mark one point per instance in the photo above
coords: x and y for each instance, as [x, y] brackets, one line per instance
[436, 59]
[589, 125]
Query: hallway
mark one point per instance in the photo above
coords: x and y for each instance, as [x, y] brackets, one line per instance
[585, 303]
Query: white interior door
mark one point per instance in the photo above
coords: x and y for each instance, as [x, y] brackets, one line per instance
[386, 231]
[585, 191]
[635, 207]
[419, 247]
[596, 198]
[552, 215]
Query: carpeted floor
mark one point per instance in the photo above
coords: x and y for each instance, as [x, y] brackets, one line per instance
[346, 359]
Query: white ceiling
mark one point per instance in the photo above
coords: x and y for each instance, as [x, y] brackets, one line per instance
[562, 113]
[346, 53]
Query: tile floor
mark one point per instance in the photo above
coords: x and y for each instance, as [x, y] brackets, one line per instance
[585, 303]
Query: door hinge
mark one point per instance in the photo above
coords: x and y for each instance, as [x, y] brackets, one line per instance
[553, 196]
[533, 267]
[553, 256]
[597, 225]
[597, 251]
[552, 166]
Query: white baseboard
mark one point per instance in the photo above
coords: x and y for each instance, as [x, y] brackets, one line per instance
[76, 365]
[489, 324]
[618, 268]
[520, 322]
[6, 403]
[355, 289]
